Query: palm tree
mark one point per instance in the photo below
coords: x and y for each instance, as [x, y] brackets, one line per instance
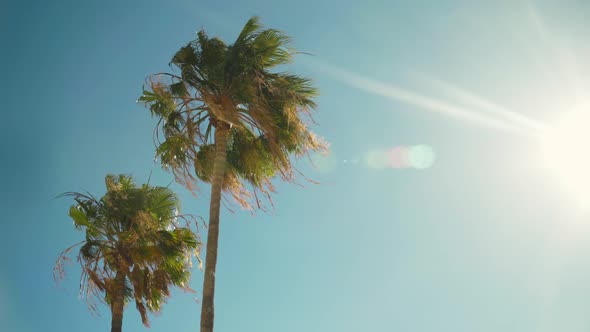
[134, 247]
[229, 120]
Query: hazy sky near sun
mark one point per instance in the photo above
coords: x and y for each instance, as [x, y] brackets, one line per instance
[484, 240]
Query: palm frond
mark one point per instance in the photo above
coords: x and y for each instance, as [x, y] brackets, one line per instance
[249, 30]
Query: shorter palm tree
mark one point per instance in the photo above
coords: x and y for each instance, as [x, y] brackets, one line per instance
[134, 248]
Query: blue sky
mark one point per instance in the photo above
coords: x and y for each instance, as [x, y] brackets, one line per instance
[484, 240]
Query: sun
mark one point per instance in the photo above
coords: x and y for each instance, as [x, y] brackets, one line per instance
[565, 151]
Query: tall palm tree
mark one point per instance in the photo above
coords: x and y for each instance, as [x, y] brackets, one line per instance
[134, 247]
[228, 119]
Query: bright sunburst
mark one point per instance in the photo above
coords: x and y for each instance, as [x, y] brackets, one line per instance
[565, 151]
[559, 149]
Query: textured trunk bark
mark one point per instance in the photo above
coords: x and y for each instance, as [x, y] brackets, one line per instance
[207, 308]
[117, 303]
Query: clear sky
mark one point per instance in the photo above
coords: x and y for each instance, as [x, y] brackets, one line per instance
[484, 240]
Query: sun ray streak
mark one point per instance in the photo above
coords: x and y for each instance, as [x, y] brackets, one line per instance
[483, 104]
[432, 104]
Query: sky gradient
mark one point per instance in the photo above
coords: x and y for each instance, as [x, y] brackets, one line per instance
[484, 240]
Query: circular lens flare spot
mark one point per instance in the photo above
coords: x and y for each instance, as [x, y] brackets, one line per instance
[421, 156]
[398, 157]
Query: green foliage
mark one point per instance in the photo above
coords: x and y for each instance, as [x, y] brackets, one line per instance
[79, 217]
[178, 89]
[160, 100]
[204, 162]
[132, 231]
[233, 85]
[249, 157]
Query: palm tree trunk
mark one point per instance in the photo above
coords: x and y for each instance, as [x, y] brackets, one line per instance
[117, 303]
[207, 308]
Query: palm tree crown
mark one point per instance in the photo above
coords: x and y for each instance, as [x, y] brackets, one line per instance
[232, 87]
[134, 248]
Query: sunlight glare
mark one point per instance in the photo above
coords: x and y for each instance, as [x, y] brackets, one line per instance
[565, 152]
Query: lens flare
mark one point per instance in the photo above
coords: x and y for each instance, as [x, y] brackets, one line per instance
[421, 156]
[398, 157]
[401, 157]
[377, 159]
